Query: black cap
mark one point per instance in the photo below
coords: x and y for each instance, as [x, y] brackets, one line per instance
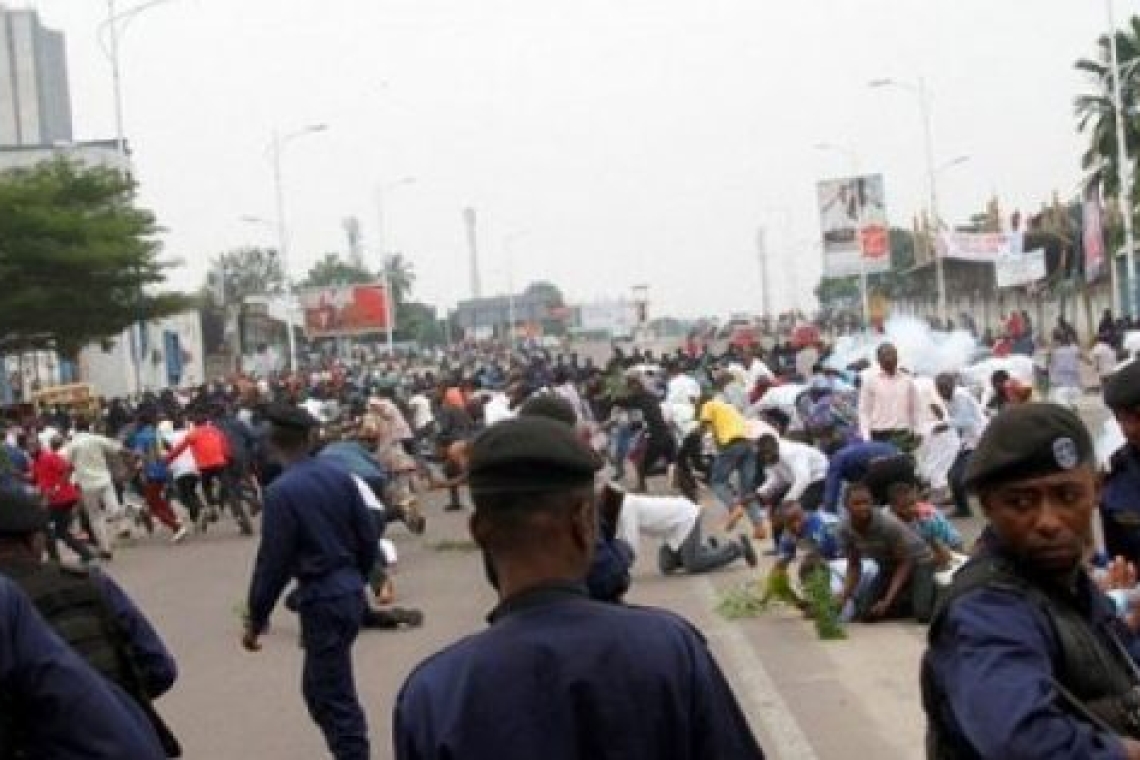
[549, 406]
[20, 514]
[532, 454]
[1029, 441]
[289, 416]
[1122, 387]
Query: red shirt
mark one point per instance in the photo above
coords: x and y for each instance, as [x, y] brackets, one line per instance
[208, 445]
[52, 475]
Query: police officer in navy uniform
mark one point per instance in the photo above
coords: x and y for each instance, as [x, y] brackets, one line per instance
[89, 611]
[558, 675]
[1027, 657]
[1120, 498]
[317, 530]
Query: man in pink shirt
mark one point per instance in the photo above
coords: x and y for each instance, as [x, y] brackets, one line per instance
[888, 402]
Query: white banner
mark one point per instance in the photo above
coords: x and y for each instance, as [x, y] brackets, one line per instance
[1019, 268]
[978, 246]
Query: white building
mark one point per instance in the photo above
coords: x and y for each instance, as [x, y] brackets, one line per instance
[616, 317]
[164, 353]
[94, 153]
[35, 98]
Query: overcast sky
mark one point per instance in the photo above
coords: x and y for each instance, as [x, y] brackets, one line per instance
[634, 141]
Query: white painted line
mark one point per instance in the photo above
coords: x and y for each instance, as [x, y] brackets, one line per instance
[759, 697]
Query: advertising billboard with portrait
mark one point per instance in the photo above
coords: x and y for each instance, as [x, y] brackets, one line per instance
[344, 310]
[853, 219]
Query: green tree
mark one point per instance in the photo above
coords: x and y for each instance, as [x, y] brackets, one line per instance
[1096, 115]
[78, 259]
[334, 270]
[401, 277]
[418, 321]
[242, 272]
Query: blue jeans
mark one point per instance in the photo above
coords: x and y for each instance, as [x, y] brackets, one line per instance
[621, 445]
[739, 458]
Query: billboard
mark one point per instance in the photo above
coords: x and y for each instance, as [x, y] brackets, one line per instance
[1019, 268]
[979, 246]
[1092, 238]
[853, 218]
[344, 310]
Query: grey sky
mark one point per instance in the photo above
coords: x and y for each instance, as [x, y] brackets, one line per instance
[636, 141]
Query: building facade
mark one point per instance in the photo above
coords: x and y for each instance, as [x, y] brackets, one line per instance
[35, 97]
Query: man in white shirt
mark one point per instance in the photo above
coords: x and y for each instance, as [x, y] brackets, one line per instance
[88, 454]
[676, 521]
[422, 416]
[682, 387]
[966, 415]
[796, 474]
[889, 406]
[1104, 359]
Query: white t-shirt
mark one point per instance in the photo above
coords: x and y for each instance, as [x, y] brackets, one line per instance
[670, 518]
[683, 388]
[800, 465]
[420, 408]
[497, 409]
[185, 463]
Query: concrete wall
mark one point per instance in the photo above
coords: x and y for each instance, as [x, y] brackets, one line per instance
[112, 370]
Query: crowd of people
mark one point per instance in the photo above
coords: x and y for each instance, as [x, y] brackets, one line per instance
[863, 472]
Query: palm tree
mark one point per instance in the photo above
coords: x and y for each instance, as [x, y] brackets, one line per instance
[401, 277]
[1096, 115]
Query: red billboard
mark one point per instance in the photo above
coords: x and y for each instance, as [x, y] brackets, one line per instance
[344, 310]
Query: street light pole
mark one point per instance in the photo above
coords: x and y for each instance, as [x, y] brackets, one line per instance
[922, 94]
[277, 149]
[1123, 198]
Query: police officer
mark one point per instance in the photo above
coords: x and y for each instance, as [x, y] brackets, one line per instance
[89, 611]
[557, 674]
[52, 704]
[1120, 498]
[317, 530]
[1026, 657]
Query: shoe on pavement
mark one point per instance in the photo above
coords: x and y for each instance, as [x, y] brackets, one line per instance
[180, 534]
[667, 560]
[748, 552]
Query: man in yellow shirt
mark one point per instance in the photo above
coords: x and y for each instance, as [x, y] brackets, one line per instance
[736, 455]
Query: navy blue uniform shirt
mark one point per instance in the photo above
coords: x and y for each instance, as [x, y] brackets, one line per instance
[849, 464]
[559, 676]
[993, 659]
[316, 529]
[1120, 505]
[70, 711]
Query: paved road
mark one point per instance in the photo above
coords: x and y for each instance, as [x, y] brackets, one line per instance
[806, 698]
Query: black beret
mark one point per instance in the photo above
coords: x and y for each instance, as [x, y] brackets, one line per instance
[20, 514]
[289, 416]
[1029, 441]
[531, 454]
[549, 406]
[1122, 387]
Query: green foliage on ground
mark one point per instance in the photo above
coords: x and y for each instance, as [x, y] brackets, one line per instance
[822, 605]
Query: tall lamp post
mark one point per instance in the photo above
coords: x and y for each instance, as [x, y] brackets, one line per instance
[922, 95]
[853, 165]
[109, 34]
[386, 258]
[277, 150]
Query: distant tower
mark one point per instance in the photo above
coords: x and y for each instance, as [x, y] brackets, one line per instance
[473, 247]
[355, 247]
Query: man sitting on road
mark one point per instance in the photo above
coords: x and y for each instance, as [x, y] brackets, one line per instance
[677, 522]
[904, 584]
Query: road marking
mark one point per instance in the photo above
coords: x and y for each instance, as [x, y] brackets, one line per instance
[762, 703]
